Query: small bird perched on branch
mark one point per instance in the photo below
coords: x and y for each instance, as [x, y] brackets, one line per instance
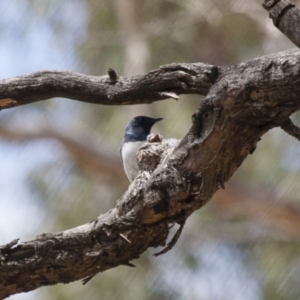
[136, 133]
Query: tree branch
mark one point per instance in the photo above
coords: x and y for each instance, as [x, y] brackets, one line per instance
[286, 17]
[243, 205]
[172, 79]
[244, 103]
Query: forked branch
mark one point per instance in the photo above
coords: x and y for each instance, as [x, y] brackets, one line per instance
[244, 103]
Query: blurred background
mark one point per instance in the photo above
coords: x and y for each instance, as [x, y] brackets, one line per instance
[60, 166]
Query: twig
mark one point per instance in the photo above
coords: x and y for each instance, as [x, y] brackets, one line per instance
[87, 279]
[289, 127]
[174, 240]
[124, 237]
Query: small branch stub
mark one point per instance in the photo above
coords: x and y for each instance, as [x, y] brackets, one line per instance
[112, 76]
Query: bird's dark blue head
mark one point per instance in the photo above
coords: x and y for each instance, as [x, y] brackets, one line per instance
[139, 128]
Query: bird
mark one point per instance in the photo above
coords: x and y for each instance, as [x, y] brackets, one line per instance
[136, 133]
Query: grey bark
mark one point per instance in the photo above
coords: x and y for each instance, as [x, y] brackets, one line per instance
[286, 17]
[242, 103]
[157, 85]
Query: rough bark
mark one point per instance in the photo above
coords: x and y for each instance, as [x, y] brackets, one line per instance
[163, 83]
[242, 103]
[286, 17]
[247, 100]
[281, 223]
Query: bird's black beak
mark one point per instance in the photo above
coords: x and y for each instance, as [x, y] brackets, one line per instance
[157, 119]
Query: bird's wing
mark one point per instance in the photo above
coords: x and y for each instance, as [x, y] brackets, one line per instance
[120, 150]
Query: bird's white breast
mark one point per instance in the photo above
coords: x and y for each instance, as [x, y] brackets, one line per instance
[128, 153]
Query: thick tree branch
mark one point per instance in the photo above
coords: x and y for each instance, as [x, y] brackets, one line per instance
[286, 17]
[163, 83]
[244, 103]
[231, 204]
